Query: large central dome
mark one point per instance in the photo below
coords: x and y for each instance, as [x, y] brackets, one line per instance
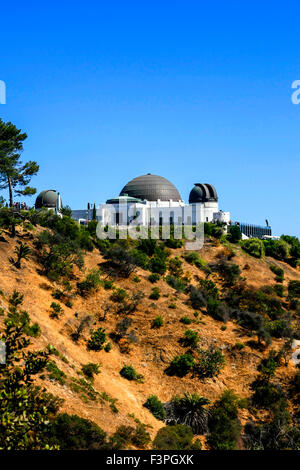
[152, 188]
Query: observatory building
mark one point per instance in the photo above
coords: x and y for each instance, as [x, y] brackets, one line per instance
[151, 200]
[49, 199]
[154, 200]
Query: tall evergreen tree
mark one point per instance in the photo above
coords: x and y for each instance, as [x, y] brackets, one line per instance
[94, 212]
[14, 174]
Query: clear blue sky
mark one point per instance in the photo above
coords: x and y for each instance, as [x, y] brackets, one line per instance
[194, 91]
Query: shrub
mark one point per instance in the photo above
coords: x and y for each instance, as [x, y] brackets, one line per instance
[266, 394]
[254, 247]
[154, 277]
[235, 234]
[210, 363]
[224, 426]
[210, 288]
[279, 272]
[177, 437]
[155, 293]
[126, 435]
[230, 272]
[181, 365]
[90, 284]
[176, 283]
[55, 373]
[156, 407]
[192, 257]
[278, 249]
[119, 295]
[294, 289]
[107, 347]
[129, 373]
[76, 433]
[57, 310]
[90, 369]
[279, 290]
[217, 309]
[158, 265]
[173, 243]
[186, 320]
[97, 340]
[197, 298]
[157, 322]
[172, 306]
[108, 284]
[175, 267]
[191, 339]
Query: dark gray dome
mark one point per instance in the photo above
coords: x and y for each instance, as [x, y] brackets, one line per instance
[203, 192]
[152, 188]
[47, 199]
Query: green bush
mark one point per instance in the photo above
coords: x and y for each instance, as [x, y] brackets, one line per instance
[278, 249]
[181, 365]
[155, 293]
[279, 290]
[230, 272]
[173, 243]
[279, 272]
[294, 289]
[55, 373]
[210, 363]
[76, 433]
[57, 310]
[126, 435]
[90, 284]
[157, 322]
[176, 283]
[154, 277]
[254, 247]
[158, 265]
[97, 340]
[90, 369]
[156, 407]
[129, 373]
[224, 426]
[191, 339]
[186, 320]
[119, 295]
[234, 234]
[177, 437]
[197, 298]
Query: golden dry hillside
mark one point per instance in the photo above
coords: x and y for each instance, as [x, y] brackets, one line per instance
[149, 350]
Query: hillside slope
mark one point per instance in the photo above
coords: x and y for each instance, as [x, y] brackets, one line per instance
[149, 350]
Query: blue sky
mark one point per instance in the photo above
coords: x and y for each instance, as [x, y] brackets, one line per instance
[194, 91]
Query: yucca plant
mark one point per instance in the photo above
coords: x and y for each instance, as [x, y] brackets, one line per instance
[189, 410]
[22, 251]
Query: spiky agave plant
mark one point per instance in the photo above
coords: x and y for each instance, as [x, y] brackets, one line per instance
[22, 251]
[188, 410]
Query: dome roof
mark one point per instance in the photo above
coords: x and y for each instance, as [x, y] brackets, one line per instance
[47, 199]
[203, 192]
[152, 188]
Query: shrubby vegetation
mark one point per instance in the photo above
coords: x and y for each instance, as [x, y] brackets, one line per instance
[156, 407]
[177, 437]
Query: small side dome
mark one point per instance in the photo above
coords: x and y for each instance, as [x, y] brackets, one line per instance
[203, 192]
[47, 199]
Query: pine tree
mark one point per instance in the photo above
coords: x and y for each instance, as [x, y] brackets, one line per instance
[14, 174]
[94, 212]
